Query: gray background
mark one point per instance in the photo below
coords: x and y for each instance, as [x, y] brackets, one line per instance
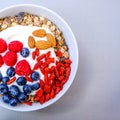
[95, 93]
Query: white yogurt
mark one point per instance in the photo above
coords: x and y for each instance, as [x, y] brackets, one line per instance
[21, 33]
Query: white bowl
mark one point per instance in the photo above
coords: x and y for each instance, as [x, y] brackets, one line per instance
[70, 40]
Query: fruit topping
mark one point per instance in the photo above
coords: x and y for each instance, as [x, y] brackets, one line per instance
[15, 46]
[3, 45]
[23, 68]
[14, 90]
[21, 81]
[24, 52]
[35, 76]
[10, 58]
[10, 72]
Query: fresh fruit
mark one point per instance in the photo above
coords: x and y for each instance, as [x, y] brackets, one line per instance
[35, 86]
[3, 45]
[35, 76]
[15, 46]
[27, 89]
[23, 68]
[13, 102]
[22, 97]
[10, 58]
[13, 90]
[3, 89]
[39, 33]
[42, 44]
[31, 42]
[21, 81]
[5, 79]
[10, 71]
[1, 61]
[24, 52]
[6, 98]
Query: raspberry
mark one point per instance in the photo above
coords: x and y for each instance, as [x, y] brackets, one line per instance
[3, 45]
[23, 68]
[10, 58]
[15, 46]
[1, 61]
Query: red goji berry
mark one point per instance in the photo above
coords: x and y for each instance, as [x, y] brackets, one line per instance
[42, 84]
[33, 55]
[52, 68]
[67, 65]
[37, 65]
[11, 80]
[47, 70]
[47, 88]
[68, 61]
[46, 78]
[61, 78]
[58, 65]
[52, 76]
[41, 57]
[56, 72]
[52, 82]
[39, 93]
[42, 99]
[54, 87]
[58, 84]
[28, 79]
[64, 80]
[58, 89]
[68, 70]
[47, 55]
[61, 71]
[47, 97]
[59, 53]
[52, 94]
[37, 52]
[42, 70]
[44, 65]
[28, 103]
[37, 98]
[50, 60]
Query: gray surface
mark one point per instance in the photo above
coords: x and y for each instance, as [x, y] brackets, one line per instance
[95, 93]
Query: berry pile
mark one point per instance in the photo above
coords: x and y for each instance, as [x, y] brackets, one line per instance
[21, 79]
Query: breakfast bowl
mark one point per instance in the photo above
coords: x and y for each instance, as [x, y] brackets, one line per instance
[48, 37]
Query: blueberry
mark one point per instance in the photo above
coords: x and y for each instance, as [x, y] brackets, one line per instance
[35, 76]
[3, 89]
[5, 79]
[21, 81]
[13, 102]
[25, 52]
[10, 72]
[35, 86]
[22, 97]
[14, 91]
[6, 98]
[1, 76]
[27, 89]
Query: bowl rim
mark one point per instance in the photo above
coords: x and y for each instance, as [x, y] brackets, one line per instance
[76, 46]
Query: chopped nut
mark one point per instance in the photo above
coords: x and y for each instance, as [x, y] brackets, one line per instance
[52, 28]
[61, 42]
[4, 26]
[48, 23]
[65, 47]
[66, 55]
[14, 24]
